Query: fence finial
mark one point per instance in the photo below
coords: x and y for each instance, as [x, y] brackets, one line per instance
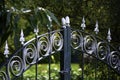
[22, 39]
[83, 23]
[67, 20]
[109, 35]
[36, 30]
[63, 22]
[6, 51]
[96, 28]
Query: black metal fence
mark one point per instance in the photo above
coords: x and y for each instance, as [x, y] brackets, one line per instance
[97, 59]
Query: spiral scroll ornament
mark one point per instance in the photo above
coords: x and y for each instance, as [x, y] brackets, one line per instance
[114, 59]
[102, 50]
[3, 76]
[29, 54]
[57, 41]
[44, 46]
[15, 66]
[76, 40]
[90, 44]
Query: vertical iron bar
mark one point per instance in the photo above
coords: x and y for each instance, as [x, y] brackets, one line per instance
[36, 68]
[64, 33]
[83, 66]
[23, 70]
[108, 68]
[36, 65]
[22, 76]
[7, 69]
[83, 59]
[68, 55]
[65, 57]
[96, 63]
[49, 55]
[95, 69]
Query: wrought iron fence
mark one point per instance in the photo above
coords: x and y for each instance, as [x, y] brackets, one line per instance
[66, 40]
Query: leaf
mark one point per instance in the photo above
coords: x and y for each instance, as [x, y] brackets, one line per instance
[16, 19]
[45, 20]
[8, 18]
[53, 17]
[42, 19]
[33, 21]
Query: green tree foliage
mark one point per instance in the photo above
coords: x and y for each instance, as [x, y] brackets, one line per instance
[17, 14]
[107, 13]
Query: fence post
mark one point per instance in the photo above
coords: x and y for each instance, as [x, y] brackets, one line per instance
[65, 56]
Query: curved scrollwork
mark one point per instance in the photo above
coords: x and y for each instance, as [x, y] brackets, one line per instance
[30, 54]
[114, 59]
[57, 41]
[90, 44]
[102, 50]
[76, 39]
[3, 76]
[44, 46]
[15, 66]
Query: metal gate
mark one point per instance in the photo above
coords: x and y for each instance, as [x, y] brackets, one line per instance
[66, 41]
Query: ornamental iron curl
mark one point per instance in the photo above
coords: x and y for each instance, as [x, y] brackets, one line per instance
[57, 41]
[15, 66]
[29, 55]
[102, 50]
[113, 59]
[44, 46]
[90, 44]
[76, 39]
[3, 76]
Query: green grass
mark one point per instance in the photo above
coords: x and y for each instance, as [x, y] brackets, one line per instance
[43, 71]
[76, 72]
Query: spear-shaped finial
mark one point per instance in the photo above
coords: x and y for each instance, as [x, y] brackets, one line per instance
[6, 51]
[83, 23]
[22, 39]
[36, 30]
[109, 35]
[96, 28]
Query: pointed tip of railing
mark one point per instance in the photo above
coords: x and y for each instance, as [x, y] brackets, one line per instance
[96, 27]
[6, 51]
[36, 30]
[22, 34]
[109, 36]
[83, 23]
[109, 31]
[83, 19]
[22, 39]
[67, 20]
